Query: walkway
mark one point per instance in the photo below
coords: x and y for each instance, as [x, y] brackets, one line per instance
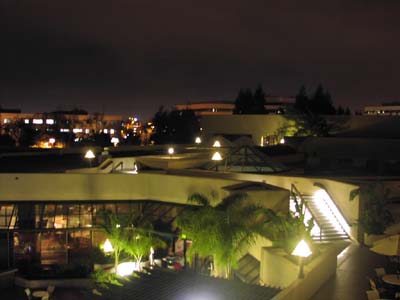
[354, 265]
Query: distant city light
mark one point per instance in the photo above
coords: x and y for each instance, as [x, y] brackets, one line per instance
[198, 140]
[52, 140]
[77, 130]
[112, 131]
[37, 121]
[171, 150]
[115, 141]
[282, 141]
[49, 121]
[26, 121]
[105, 131]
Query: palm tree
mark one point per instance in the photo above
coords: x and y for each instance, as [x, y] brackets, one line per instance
[221, 231]
[114, 227]
[139, 242]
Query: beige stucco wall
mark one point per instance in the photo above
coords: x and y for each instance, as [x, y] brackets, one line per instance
[317, 272]
[143, 186]
[256, 125]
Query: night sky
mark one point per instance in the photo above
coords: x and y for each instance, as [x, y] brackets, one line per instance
[129, 57]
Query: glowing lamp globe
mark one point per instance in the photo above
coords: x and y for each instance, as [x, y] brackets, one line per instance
[171, 151]
[217, 144]
[216, 156]
[197, 140]
[89, 154]
[302, 249]
[107, 246]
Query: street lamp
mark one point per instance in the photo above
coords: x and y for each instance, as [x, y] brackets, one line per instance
[302, 250]
[89, 156]
[107, 246]
[197, 140]
[216, 157]
[217, 144]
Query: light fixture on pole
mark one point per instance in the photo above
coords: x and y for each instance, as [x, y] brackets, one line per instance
[302, 250]
[171, 151]
[216, 144]
[89, 156]
[197, 140]
[216, 157]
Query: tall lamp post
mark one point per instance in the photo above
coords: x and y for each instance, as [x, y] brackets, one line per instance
[302, 250]
[89, 156]
[216, 157]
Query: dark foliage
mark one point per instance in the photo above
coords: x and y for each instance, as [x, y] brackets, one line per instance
[178, 127]
[249, 103]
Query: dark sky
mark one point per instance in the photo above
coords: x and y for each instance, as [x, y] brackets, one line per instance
[129, 57]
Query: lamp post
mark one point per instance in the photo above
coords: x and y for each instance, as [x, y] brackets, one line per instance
[89, 156]
[197, 140]
[216, 157]
[171, 152]
[302, 250]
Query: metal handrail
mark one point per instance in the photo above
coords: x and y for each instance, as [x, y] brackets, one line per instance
[296, 191]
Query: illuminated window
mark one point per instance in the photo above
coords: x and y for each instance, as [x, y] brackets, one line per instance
[77, 130]
[37, 121]
[50, 121]
[26, 121]
[112, 131]
[6, 121]
[87, 131]
[105, 130]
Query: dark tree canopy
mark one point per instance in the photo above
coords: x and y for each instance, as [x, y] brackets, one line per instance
[319, 103]
[248, 102]
[177, 126]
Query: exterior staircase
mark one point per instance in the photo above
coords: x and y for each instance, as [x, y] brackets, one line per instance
[248, 270]
[330, 227]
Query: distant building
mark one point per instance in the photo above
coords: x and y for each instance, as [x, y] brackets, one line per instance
[273, 105]
[386, 109]
[208, 108]
[79, 123]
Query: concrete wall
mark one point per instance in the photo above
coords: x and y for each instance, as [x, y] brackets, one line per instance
[317, 272]
[261, 125]
[115, 186]
[255, 125]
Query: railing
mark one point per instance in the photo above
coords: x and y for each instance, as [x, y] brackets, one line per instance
[295, 192]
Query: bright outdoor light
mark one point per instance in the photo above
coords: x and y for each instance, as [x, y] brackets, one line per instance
[107, 247]
[89, 154]
[216, 156]
[52, 140]
[302, 249]
[197, 140]
[126, 268]
[217, 144]
[171, 150]
[282, 141]
[115, 141]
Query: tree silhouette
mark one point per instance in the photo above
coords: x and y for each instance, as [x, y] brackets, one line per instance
[249, 103]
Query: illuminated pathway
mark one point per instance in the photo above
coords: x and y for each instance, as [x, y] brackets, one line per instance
[354, 265]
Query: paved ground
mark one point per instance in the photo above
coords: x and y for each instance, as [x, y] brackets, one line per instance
[187, 286]
[350, 283]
